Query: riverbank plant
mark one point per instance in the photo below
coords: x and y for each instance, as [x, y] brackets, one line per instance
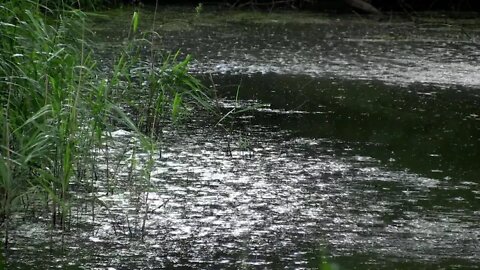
[58, 108]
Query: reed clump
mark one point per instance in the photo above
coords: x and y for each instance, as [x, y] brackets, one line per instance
[57, 108]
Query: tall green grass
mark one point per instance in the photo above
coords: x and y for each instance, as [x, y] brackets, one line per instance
[57, 108]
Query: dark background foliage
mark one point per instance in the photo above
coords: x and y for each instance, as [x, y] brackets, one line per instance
[340, 5]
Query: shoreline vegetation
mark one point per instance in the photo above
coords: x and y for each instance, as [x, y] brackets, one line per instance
[335, 6]
[58, 108]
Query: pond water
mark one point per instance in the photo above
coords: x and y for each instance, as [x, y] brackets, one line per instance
[361, 152]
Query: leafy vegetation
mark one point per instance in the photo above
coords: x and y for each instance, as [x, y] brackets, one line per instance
[58, 108]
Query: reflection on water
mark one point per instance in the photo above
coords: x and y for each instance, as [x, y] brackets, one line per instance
[430, 130]
[279, 203]
[396, 51]
[346, 158]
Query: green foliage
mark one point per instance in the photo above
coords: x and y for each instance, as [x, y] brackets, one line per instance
[199, 9]
[65, 5]
[41, 82]
[176, 108]
[57, 108]
[135, 19]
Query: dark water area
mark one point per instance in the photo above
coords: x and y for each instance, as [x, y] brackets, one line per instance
[429, 130]
[360, 151]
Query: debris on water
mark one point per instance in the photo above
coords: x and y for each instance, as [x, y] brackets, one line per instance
[95, 239]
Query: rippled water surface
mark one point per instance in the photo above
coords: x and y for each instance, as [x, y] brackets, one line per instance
[361, 152]
[434, 50]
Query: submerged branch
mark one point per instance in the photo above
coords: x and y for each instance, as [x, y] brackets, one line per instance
[363, 5]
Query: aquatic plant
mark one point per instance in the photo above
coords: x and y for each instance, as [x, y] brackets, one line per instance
[58, 108]
[199, 8]
[45, 73]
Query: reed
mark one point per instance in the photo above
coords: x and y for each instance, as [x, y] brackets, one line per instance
[58, 109]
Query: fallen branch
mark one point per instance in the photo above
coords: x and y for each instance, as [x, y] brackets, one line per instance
[363, 5]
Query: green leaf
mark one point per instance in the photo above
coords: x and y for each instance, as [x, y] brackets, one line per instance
[176, 107]
[135, 20]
